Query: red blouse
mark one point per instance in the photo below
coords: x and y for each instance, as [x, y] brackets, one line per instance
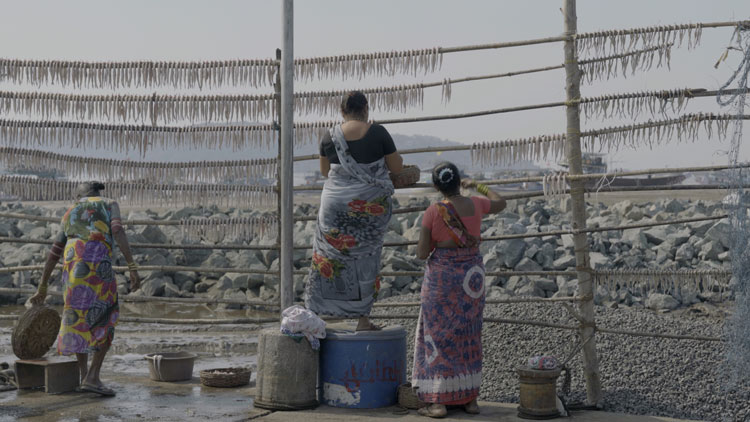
[440, 232]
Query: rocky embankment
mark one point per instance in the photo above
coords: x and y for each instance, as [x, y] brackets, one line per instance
[698, 245]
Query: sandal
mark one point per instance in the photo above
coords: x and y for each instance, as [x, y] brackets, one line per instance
[472, 408]
[433, 411]
[100, 390]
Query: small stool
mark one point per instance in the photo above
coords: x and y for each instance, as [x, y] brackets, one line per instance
[56, 375]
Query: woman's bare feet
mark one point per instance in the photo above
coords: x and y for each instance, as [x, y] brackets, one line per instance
[433, 411]
[366, 325]
[472, 407]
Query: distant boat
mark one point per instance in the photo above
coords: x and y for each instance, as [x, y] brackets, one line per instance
[593, 163]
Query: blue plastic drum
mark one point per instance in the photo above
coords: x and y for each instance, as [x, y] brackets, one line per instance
[362, 370]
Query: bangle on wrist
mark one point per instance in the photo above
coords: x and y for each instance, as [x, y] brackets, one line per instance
[483, 189]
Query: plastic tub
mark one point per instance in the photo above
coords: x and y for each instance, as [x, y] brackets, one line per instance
[171, 366]
[363, 369]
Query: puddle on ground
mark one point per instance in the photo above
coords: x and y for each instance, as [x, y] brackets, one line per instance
[127, 372]
[138, 398]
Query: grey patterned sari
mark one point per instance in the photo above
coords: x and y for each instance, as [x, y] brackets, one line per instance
[355, 208]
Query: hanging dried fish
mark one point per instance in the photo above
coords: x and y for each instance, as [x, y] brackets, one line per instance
[394, 98]
[152, 109]
[552, 147]
[631, 105]
[625, 40]
[627, 63]
[74, 167]
[555, 185]
[144, 74]
[503, 153]
[359, 66]
[648, 280]
[143, 193]
[310, 132]
[133, 138]
[685, 128]
[244, 228]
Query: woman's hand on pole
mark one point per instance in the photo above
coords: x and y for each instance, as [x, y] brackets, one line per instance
[468, 183]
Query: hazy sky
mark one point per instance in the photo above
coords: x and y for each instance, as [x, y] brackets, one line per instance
[212, 30]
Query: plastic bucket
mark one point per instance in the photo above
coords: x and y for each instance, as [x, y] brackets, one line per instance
[171, 366]
[362, 369]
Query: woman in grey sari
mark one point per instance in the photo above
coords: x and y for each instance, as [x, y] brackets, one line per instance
[355, 208]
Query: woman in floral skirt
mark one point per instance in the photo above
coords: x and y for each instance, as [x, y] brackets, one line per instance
[355, 208]
[90, 290]
[448, 340]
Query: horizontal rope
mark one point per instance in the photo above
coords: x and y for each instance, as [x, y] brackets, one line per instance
[142, 299]
[137, 138]
[657, 335]
[490, 301]
[587, 176]
[538, 194]
[142, 193]
[563, 232]
[106, 169]
[176, 321]
[164, 109]
[538, 145]
[212, 74]
[138, 245]
[146, 74]
[392, 244]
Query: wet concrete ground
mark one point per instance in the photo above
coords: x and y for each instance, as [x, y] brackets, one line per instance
[140, 399]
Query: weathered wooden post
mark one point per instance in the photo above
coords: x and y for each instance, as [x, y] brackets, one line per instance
[578, 206]
[286, 173]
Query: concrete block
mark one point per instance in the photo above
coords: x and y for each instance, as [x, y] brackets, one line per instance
[56, 375]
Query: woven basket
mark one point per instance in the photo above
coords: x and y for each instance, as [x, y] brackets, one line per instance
[408, 176]
[407, 397]
[225, 377]
[35, 332]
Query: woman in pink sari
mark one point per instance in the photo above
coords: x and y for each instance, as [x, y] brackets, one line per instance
[448, 343]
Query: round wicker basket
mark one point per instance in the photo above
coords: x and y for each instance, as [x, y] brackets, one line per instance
[407, 397]
[225, 377]
[35, 332]
[408, 176]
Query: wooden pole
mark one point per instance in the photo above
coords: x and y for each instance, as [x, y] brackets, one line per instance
[286, 173]
[580, 240]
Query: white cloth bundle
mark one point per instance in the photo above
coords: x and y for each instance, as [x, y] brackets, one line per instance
[298, 320]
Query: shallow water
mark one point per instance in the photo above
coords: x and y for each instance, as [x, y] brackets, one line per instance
[216, 345]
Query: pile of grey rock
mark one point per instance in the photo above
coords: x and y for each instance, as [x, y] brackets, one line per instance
[698, 245]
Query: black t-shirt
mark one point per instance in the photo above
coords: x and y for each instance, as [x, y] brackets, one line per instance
[376, 144]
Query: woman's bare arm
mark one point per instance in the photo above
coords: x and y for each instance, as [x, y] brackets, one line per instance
[497, 202]
[118, 233]
[424, 246]
[395, 162]
[49, 266]
[325, 166]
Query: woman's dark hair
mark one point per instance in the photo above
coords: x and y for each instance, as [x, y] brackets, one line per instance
[354, 104]
[89, 189]
[446, 178]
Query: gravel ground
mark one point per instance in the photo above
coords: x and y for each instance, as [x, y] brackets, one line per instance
[640, 375]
